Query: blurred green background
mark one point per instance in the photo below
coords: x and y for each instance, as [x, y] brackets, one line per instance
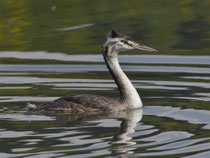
[180, 27]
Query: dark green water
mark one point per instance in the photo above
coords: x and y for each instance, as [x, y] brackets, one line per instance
[52, 48]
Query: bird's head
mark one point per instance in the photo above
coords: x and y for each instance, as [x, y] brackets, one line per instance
[117, 42]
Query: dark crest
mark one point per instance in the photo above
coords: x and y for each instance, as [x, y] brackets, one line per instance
[114, 34]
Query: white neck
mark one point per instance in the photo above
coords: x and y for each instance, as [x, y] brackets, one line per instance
[129, 95]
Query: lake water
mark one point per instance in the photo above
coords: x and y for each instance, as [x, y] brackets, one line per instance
[52, 48]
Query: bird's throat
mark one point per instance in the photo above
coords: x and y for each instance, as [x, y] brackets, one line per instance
[129, 95]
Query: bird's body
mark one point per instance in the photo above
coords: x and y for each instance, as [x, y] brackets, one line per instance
[81, 103]
[129, 99]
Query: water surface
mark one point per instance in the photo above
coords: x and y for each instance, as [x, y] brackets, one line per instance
[52, 48]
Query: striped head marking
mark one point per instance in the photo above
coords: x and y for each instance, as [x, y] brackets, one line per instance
[117, 42]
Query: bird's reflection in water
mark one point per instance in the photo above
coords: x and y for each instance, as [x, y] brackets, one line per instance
[121, 142]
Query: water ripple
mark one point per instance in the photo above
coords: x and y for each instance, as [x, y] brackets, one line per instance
[82, 68]
[149, 59]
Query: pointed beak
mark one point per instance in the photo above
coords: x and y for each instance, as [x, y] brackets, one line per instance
[143, 47]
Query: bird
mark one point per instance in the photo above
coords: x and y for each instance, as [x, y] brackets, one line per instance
[84, 103]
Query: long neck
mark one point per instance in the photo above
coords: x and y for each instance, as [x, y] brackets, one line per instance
[129, 95]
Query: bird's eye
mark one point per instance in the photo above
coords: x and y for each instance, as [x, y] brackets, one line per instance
[125, 42]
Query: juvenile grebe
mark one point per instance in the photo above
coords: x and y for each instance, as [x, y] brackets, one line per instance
[129, 97]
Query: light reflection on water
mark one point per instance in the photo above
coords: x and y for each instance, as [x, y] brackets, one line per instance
[175, 118]
[145, 137]
[149, 59]
[82, 68]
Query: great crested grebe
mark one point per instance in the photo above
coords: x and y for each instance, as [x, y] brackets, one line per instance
[129, 97]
